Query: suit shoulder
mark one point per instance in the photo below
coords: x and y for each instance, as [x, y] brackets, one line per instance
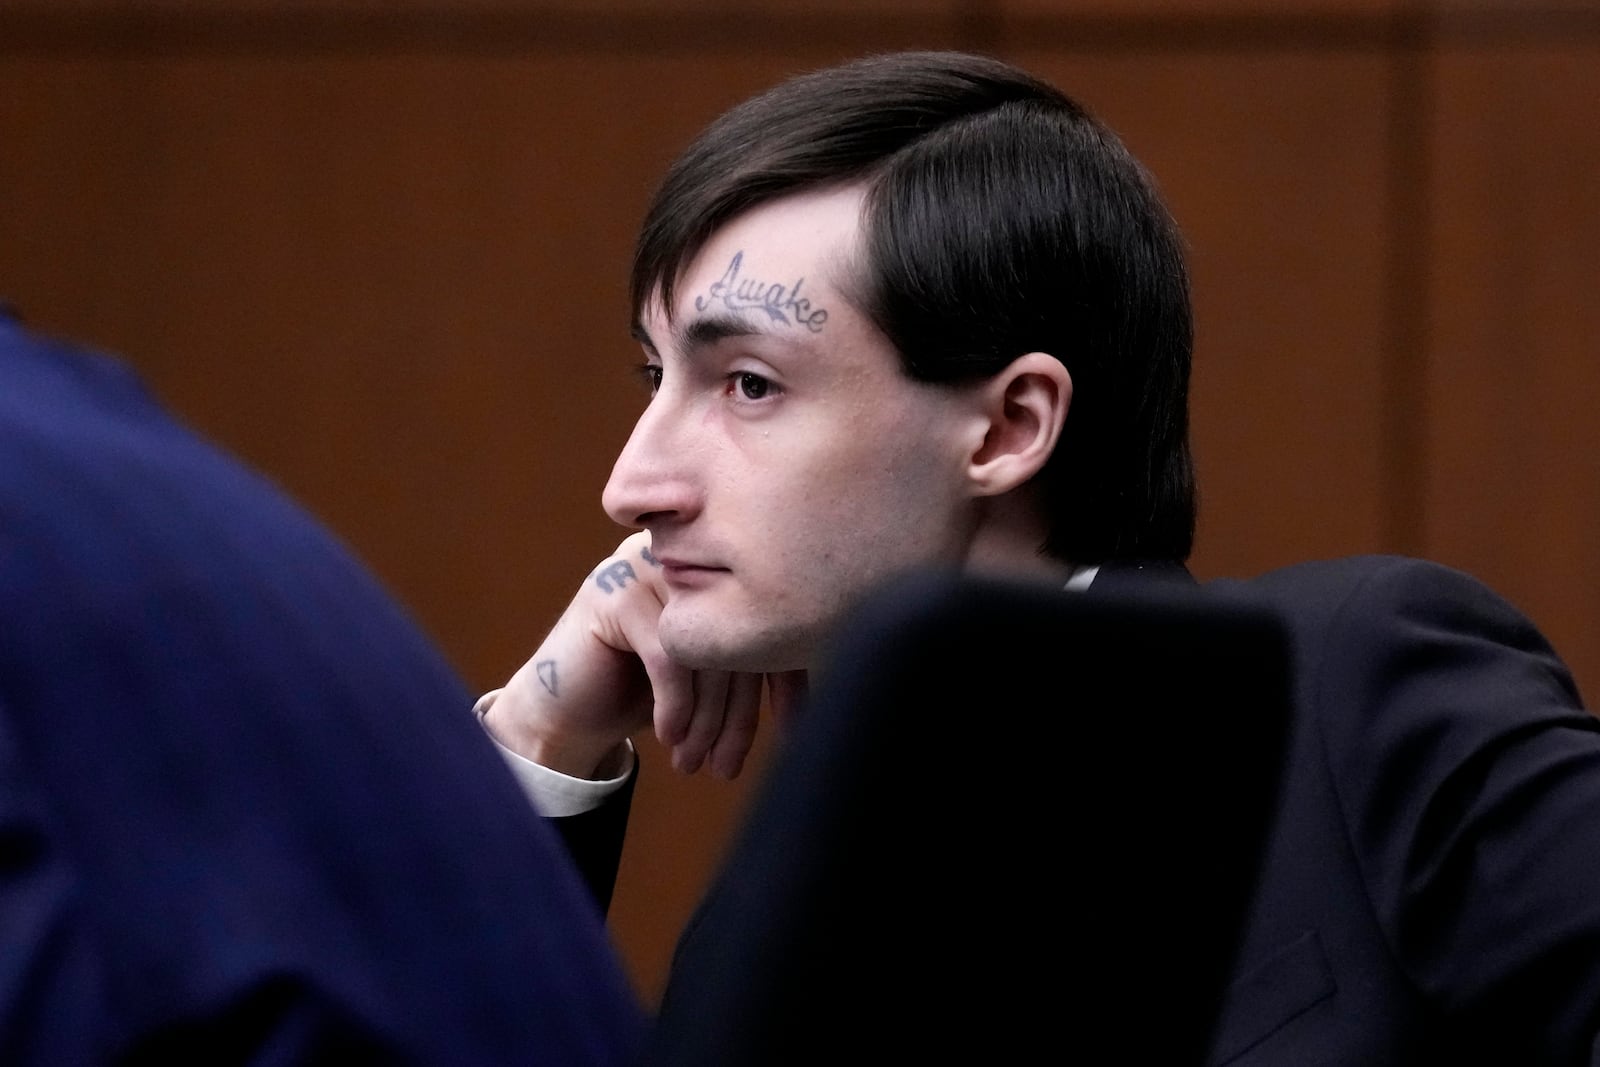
[1361, 599]
[1330, 584]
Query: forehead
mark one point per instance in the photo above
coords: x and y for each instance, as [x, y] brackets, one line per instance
[781, 265]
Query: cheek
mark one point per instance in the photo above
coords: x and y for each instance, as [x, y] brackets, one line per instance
[906, 456]
[879, 470]
[882, 488]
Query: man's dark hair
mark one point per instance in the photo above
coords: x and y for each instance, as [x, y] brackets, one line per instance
[1000, 218]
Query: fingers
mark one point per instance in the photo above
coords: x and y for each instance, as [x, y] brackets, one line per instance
[672, 686]
[720, 734]
[738, 726]
[691, 743]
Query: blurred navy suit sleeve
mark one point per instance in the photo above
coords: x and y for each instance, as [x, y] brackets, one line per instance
[245, 812]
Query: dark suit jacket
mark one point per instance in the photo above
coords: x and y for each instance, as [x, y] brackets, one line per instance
[1430, 889]
[245, 813]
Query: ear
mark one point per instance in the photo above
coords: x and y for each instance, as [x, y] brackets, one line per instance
[1024, 408]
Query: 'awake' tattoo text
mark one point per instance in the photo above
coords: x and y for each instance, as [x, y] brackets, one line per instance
[738, 293]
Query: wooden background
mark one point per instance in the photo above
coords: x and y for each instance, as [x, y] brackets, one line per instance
[379, 250]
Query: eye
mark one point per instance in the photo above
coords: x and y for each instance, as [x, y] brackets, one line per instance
[750, 386]
[650, 374]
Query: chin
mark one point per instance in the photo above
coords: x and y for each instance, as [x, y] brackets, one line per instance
[726, 648]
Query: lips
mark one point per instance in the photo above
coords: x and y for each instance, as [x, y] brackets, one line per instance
[679, 571]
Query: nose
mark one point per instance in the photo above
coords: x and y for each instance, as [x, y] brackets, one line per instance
[652, 482]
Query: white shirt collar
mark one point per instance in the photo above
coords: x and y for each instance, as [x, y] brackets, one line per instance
[1080, 578]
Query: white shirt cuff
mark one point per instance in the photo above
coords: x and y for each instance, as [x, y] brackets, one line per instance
[552, 793]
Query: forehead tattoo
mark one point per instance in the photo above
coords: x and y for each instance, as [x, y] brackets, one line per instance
[782, 303]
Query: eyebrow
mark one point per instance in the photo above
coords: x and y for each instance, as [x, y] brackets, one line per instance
[703, 332]
[636, 331]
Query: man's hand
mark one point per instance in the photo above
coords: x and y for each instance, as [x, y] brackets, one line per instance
[601, 676]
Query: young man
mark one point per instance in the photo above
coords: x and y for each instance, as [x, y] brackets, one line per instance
[922, 311]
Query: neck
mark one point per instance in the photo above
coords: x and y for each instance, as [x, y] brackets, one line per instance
[1008, 546]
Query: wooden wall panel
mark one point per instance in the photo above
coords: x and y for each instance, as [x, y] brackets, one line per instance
[741, 9]
[1513, 422]
[1525, 14]
[1160, 10]
[1274, 164]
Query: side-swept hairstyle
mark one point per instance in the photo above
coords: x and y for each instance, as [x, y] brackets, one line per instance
[1000, 218]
